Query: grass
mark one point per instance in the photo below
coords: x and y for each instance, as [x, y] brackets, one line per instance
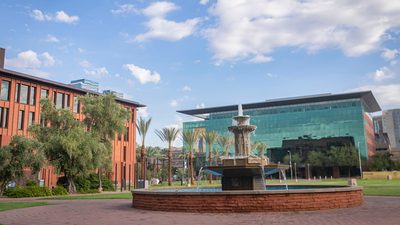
[17, 205]
[116, 195]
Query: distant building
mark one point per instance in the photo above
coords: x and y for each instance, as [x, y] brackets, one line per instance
[382, 142]
[117, 94]
[86, 84]
[391, 127]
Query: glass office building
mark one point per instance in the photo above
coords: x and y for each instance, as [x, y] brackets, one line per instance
[311, 117]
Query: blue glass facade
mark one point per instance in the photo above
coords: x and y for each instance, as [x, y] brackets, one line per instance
[338, 118]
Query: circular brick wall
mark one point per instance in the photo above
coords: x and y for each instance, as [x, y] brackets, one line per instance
[249, 201]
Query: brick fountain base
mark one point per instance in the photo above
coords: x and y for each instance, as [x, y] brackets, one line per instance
[249, 201]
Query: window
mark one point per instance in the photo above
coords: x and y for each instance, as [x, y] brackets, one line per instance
[32, 95]
[31, 119]
[76, 105]
[44, 93]
[21, 119]
[23, 94]
[59, 100]
[65, 101]
[124, 153]
[3, 117]
[126, 136]
[5, 90]
[17, 88]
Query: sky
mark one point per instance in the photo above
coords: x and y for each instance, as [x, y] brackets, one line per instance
[176, 55]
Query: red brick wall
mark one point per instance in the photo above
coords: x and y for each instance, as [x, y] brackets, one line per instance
[48, 173]
[268, 202]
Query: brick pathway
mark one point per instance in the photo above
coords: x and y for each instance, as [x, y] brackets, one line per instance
[376, 211]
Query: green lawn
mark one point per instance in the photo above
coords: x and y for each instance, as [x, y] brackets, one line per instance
[16, 205]
[116, 195]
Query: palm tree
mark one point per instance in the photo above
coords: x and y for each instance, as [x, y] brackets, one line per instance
[190, 137]
[210, 137]
[225, 142]
[169, 135]
[142, 126]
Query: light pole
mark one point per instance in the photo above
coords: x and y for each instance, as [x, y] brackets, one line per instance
[290, 165]
[295, 172]
[359, 159]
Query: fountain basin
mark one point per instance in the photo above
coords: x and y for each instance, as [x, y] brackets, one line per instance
[213, 201]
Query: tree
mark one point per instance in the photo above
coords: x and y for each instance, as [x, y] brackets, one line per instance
[169, 135]
[382, 162]
[142, 126]
[316, 158]
[104, 117]
[210, 137]
[296, 158]
[67, 146]
[225, 142]
[20, 154]
[189, 138]
[343, 156]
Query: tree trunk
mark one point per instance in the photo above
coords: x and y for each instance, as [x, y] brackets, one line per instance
[142, 156]
[3, 187]
[71, 185]
[191, 168]
[169, 165]
[100, 181]
[210, 162]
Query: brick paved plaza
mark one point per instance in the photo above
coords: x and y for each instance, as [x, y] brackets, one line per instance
[375, 210]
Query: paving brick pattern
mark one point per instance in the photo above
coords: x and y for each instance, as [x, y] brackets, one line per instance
[375, 210]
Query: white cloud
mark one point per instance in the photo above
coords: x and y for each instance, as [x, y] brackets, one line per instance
[81, 50]
[31, 62]
[52, 39]
[159, 9]
[383, 74]
[259, 58]
[143, 75]
[389, 54]
[204, 2]
[387, 95]
[125, 8]
[245, 29]
[186, 88]
[59, 16]
[174, 103]
[200, 106]
[142, 112]
[91, 70]
[161, 28]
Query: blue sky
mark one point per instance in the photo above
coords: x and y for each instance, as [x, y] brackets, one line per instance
[172, 55]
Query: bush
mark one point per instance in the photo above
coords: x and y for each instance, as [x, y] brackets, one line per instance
[30, 191]
[88, 184]
[31, 183]
[59, 190]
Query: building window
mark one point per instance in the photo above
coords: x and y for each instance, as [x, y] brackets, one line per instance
[124, 153]
[66, 101]
[76, 105]
[17, 88]
[32, 95]
[5, 90]
[44, 93]
[3, 117]
[126, 136]
[21, 119]
[31, 119]
[59, 100]
[23, 94]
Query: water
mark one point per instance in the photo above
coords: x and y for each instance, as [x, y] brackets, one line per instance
[268, 188]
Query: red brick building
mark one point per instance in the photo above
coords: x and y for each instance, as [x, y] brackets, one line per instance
[20, 96]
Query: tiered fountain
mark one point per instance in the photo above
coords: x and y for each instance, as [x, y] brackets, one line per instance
[243, 186]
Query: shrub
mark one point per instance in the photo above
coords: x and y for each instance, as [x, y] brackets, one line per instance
[30, 191]
[59, 190]
[31, 183]
[88, 184]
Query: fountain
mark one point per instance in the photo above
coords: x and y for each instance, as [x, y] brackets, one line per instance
[243, 187]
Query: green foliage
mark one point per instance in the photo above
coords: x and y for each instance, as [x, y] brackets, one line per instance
[296, 158]
[20, 154]
[88, 183]
[383, 162]
[30, 183]
[68, 147]
[168, 135]
[59, 190]
[25, 192]
[316, 158]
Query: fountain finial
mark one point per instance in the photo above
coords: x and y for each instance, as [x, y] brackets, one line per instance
[240, 110]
